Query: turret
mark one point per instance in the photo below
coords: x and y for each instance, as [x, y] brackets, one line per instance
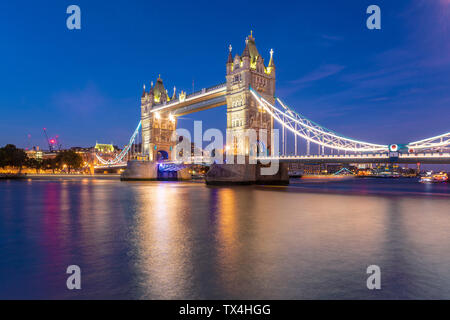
[230, 60]
[271, 66]
[150, 94]
[246, 56]
[236, 62]
[174, 96]
[157, 127]
[159, 92]
[248, 71]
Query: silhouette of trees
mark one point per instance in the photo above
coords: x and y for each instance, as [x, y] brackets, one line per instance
[13, 157]
[49, 163]
[34, 164]
[10, 156]
[69, 158]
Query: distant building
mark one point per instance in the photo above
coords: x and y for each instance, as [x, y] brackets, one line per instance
[319, 168]
[35, 153]
[104, 148]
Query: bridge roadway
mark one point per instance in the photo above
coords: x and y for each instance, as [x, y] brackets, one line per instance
[425, 158]
[198, 101]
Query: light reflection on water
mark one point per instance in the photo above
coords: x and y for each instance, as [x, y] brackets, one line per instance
[186, 240]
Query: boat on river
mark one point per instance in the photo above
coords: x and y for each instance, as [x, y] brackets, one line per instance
[434, 178]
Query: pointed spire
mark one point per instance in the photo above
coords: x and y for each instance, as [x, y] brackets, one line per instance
[143, 93]
[230, 57]
[246, 52]
[151, 88]
[271, 63]
[251, 35]
[174, 96]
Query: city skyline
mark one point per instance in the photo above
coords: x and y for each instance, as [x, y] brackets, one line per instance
[330, 67]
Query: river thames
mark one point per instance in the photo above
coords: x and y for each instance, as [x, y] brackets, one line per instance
[184, 240]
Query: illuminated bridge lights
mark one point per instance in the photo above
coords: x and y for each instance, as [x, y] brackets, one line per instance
[430, 148]
[190, 99]
[170, 167]
[441, 141]
[431, 158]
[124, 152]
[312, 132]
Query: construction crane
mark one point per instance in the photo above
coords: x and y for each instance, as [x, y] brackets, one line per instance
[47, 139]
[51, 142]
[57, 142]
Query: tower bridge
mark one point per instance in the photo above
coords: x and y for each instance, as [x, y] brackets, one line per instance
[159, 111]
[249, 94]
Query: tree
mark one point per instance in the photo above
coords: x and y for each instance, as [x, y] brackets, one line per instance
[49, 163]
[12, 157]
[2, 158]
[70, 158]
[34, 164]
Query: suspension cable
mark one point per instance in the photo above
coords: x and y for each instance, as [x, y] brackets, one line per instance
[313, 132]
[124, 151]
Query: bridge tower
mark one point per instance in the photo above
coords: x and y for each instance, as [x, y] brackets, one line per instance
[243, 113]
[157, 127]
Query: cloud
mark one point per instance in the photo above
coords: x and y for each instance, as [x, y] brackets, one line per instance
[85, 101]
[322, 72]
[380, 99]
[327, 40]
[318, 74]
[429, 30]
[98, 116]
[331, 37]
[394, 87]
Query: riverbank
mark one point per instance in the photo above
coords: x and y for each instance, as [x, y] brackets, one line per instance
[72, 176]
[12, 176]
[326, 176]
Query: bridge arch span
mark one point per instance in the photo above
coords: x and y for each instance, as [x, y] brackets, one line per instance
[162, 155]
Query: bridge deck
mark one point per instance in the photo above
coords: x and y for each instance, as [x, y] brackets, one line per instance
[202, 100]
[428, 158]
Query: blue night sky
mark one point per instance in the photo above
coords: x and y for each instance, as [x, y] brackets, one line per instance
[383, 86]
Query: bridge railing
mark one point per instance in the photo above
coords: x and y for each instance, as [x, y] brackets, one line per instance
[360, 156]
[205, 90]
[194, 94]
[312, 156]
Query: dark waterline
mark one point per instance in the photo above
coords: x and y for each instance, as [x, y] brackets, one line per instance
[153, 240]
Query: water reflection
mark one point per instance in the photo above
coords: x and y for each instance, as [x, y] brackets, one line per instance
[227, 238]
[163, 241]
[185, 240]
